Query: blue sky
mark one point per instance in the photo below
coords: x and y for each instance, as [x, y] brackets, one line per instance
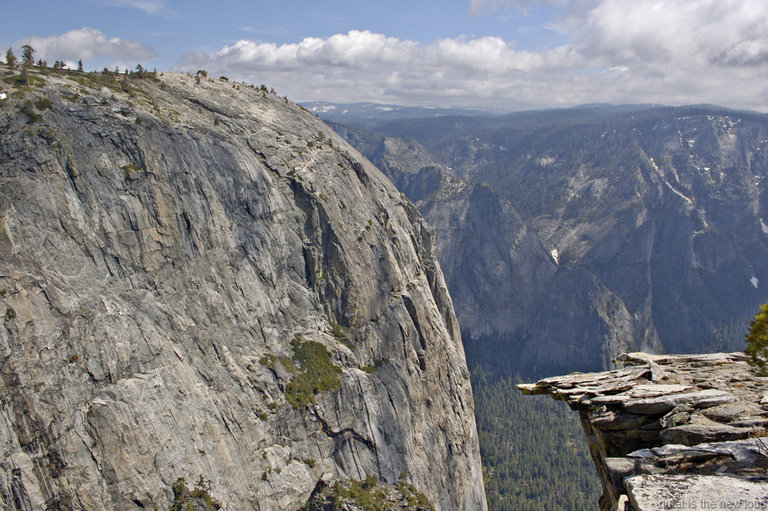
[509, 54]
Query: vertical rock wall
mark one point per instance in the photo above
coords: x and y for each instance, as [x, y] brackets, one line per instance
[162, 244]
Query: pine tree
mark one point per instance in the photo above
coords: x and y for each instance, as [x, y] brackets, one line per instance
[28, 55]
[757, 340]
[80, 65]
[11, 59]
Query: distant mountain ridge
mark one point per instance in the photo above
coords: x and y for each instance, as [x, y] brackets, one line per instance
[568, 236]
[366, 111]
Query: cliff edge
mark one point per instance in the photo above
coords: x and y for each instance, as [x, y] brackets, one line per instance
[673, 431]
[200, 279]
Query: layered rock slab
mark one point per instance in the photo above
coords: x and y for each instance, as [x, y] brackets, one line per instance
[671, 431]
[162, 243]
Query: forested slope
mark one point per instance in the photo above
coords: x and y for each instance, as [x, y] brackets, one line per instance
[535, 457]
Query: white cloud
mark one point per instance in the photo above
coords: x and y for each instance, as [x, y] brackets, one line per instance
[692, 34]
[87, 43]
[658, 51]
[362, 65]
[358, 50]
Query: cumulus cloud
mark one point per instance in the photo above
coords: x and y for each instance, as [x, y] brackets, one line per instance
[88, 43]
[669, 51]
[363, 65]
[660, 51]
[692, 34]
[358, 50]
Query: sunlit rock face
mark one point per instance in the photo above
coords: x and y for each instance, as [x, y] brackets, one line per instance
[167, 246]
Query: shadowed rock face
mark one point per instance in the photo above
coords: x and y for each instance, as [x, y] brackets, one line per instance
[668, 431]
[159, 253]
[502, 279]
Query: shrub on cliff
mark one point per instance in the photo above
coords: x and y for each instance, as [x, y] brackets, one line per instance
[369, 495]
[757, 340]
[198, 499]
[317, 373]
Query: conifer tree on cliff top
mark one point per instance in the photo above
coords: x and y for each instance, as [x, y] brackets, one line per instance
[757, 340]
[28, 55]
[11, 59]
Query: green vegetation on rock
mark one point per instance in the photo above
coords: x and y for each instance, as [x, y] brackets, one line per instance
[316, 373]
[369, 495]
[43, 104]
[197, 499]
[341, 334]
[364, 493]
[372, 368]
[757, 340]
[131, 168]
[412, 496]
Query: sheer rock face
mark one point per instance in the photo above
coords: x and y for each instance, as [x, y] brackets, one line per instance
[672, 431]
[159, 253]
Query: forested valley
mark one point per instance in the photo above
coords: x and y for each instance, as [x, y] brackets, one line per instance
[534, 453]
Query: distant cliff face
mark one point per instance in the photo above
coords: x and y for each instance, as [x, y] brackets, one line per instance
[504, 283]
[598, 230]
[203, 279]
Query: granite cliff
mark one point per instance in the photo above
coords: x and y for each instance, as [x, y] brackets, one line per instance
[198, 277]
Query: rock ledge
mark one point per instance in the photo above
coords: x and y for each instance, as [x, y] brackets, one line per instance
[669, 431]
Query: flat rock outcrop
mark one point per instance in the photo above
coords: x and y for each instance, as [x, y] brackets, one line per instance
[199, 278]
[673, 432]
